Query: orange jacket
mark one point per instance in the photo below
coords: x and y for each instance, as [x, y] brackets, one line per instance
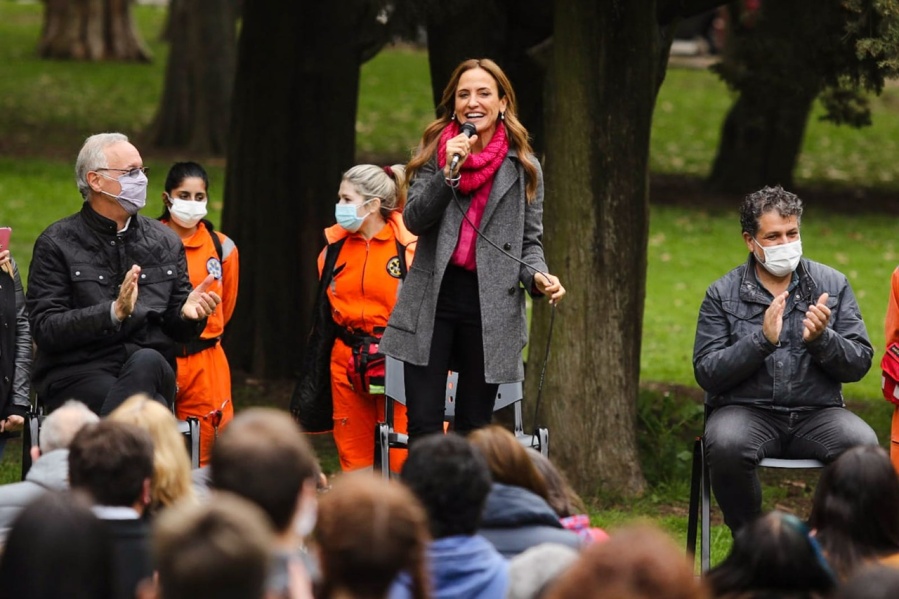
[891, 323]
[202, 260]
[367, 274]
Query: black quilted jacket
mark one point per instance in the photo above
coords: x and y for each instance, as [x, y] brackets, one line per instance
[78, 265]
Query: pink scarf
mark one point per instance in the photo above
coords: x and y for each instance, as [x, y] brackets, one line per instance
[478, 168]
[476, 179]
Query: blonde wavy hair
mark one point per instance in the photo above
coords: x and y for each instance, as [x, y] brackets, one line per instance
[171, 464]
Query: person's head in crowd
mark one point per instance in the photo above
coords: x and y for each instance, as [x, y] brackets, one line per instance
[110, 175]
[60, 426]
[775, 553]
[185, 197]
[508, 460]
[374, 193]
[369, 530]
[871, 582]
[57, 549]
[451, 479]
[263, 456]
[561, 496]
[854, 511]
[533, 570]
[112, 462]
[635, 563]
[171, 463]
[218, 550]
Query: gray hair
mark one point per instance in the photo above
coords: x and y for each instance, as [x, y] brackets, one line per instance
[92, 156]
[765, 200]
[372, 181]
[60, 427]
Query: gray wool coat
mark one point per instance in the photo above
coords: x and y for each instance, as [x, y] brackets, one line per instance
[511, 223]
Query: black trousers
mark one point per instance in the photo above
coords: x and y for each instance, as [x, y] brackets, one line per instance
[457, 344]
[145, 371]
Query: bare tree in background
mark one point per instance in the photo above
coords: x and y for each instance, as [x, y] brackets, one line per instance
[91, 30]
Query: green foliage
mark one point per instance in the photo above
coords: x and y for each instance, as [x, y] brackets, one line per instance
[843, 49]
[668, 421]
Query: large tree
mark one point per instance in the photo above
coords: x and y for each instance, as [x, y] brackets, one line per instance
[608, 61]
[194, 112]
[780, 60]
[511, 32]
[292, 134]
[91, 30]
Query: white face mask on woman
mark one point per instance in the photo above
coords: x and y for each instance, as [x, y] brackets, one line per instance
[186, 213]
[781, 260]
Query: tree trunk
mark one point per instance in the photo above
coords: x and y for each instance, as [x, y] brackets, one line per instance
[778, 69]
[194, 113]
[506, 31]
[760, 143]
[605, 74]
[91, 30]
[292, 135]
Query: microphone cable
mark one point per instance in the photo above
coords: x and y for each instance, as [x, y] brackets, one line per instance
[552, 317]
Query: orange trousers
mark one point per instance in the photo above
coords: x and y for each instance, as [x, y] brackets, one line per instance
[355, 416]
[204, 388]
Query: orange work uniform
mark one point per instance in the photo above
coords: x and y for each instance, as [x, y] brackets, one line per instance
[362, 294]
[891, 334]
[204, 378]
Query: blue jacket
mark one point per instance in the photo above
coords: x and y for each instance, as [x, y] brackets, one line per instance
[516, 519]
[736, 364]
[461, 567]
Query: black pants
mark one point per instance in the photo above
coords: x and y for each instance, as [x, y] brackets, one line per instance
[457, 344]
[145, 371]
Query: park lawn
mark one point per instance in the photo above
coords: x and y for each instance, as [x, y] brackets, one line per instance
[48, 107]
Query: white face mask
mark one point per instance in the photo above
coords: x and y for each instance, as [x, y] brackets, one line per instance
[781, 260]
[186, 213]
[305, 523]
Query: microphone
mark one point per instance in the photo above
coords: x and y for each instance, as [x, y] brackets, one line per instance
[468, 129]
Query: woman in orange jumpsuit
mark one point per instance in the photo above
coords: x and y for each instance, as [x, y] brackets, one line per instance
[372, 262]
[204, 378]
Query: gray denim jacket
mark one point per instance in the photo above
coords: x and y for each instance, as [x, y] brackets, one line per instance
[736, 364]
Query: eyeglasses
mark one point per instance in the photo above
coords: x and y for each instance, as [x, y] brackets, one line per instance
[133, 172]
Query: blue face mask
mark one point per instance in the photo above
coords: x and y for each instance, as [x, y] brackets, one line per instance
[347, 217]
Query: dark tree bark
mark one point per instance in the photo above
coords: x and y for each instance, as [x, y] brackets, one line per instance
[194, 112]
[292, 135]
[91, 30]
[506, 31]
[760, 143]
[778, 69]
[608, 61]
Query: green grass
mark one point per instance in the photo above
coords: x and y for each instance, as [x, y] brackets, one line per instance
[691, 107]
[688, 249]
[48, 107]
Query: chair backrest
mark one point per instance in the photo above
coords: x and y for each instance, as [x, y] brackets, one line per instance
[395, 388]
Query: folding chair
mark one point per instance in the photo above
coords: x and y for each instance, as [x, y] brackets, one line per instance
[189, 428]
[701, 498]
[386, 438]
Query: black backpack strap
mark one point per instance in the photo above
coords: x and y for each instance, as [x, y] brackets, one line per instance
[311, 403]
[215, 239]
[401, 254]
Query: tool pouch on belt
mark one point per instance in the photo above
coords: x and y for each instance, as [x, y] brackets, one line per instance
[889, 383]
[365, 370]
